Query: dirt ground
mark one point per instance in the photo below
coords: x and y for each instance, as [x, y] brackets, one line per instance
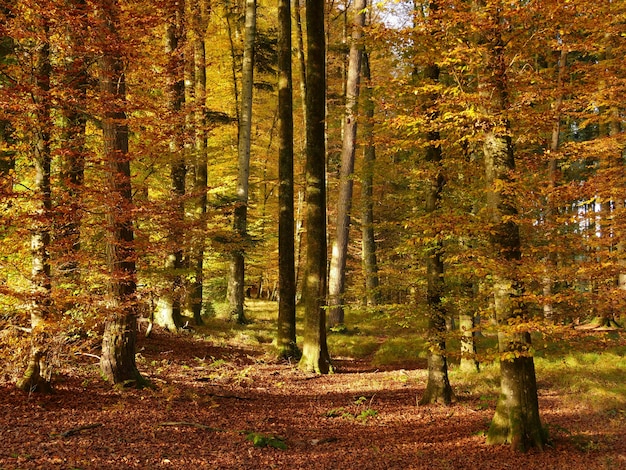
[209, 405]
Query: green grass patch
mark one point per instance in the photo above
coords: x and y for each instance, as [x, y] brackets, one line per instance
[401, 350]
[595, 379]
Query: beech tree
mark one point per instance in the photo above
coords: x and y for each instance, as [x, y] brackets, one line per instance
[315, 356]
[368, 243]
[516, 419]
[37, 375]
[237, 265]
[169, 308]
[286, 338]
[438, 389]
[117, 361]
[200, 177]
[339, 253]
[69, 210]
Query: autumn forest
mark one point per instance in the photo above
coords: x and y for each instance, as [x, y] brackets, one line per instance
[312, 234]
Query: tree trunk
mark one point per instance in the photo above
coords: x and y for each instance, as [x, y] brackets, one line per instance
[337, 278]
[169, 314]
[438, 389]
[315, 357]
[286, 339]
[200, 158]
[237, 265]
[73, 162]
[302, 62]
[468, 362]
[117, 361]
[551, 258]
[369, 261]
[37, 376]
[7, 140]
[516, 420]
[300, 229]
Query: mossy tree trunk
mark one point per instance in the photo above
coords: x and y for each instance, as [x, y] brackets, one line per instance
[315, 356]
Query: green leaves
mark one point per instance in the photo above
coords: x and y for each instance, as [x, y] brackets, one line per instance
[266, 440]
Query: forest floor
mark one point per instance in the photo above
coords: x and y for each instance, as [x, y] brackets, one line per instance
[220, 407]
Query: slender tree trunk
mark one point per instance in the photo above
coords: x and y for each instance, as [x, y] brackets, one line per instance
[189, 149]
[300, 229]
[37, 376]
[7, 158]
[302, 62]
[315, 357]
[286, 340]
[550, 260]
[200, 157]
[468, 321]
[369, 261]
[117, 361]
[337, 278]
[516, 420]
[237, 264]
[438, 389]
[299, 232]
[73, 160]
[7, 139]
[169, 314]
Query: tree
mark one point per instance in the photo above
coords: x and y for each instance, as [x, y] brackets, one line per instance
[286, 339]
[337, 277]
[368, 242]
[37, 375]
[516, 419]
[117, 361]
[69, 209]
[169, 312]
[438, 389]
[200, 176]
[315, 356]
[237, 266]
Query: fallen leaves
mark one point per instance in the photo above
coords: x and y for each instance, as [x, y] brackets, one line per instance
[278, 418]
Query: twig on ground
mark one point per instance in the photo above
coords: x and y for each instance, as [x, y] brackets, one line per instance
[86, 354]
[192, 425]
[71, 432]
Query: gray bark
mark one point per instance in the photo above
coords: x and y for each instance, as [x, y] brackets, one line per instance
[369, 260]
[37, 377]
[286, 340]
[169, 312]
[237, 263]
[516, 420]
[337, 278]
[315, 357]
[200, 155]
